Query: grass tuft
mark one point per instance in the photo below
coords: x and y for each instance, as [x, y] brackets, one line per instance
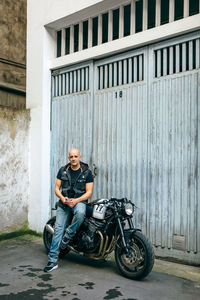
[24, 230]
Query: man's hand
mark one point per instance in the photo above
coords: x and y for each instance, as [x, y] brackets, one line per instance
[71, 202]
[65, 200]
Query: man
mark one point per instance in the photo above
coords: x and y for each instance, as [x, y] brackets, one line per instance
[74, 186]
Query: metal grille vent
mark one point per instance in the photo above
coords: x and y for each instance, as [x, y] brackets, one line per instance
[121, 72]
[177, 58]
[70, 82]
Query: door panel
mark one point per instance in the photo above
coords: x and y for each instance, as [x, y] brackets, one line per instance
[120, 130]
[72, 119]
[173, 149]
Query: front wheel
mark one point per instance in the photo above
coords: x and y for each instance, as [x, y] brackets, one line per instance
[139, 262]
[47, 238]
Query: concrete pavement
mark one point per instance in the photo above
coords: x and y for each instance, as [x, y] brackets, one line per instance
[176, 269]
[80, 278]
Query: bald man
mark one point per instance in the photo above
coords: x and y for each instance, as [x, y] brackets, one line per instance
[74, 186]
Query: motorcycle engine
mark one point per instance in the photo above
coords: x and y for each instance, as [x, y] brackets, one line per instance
[88, 239]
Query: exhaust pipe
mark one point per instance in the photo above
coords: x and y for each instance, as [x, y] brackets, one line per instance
[49, 228]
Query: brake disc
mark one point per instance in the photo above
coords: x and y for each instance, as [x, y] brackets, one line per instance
[133, 258]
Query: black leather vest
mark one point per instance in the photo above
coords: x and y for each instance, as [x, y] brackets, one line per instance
[80, 183]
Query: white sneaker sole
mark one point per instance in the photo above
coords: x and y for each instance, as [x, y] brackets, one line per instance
[54, 268]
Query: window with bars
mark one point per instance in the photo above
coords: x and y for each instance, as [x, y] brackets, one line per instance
[70, 82]
[85, 34]
[138, 16]
[76, 37]
[151, 13]
[130, 17]
[59, 35]
[164, 12]
[177, 58]
[67, 40]
[121, 72]
[178, 9]
[95, 31]
[115, 21]
[127, 20]
[105, 28]
[193, 7]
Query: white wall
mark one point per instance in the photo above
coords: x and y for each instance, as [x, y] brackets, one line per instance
[137, 40]
[14, 181]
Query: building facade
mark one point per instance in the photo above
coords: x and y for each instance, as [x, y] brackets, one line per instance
[120, 81]
[14, 118]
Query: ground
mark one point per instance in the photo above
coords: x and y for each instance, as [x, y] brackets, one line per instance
[80, 278]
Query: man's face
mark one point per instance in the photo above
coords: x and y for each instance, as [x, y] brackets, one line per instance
[74, 158]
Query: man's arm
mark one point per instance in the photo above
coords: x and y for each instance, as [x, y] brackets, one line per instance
[86, 196]
[58, 193]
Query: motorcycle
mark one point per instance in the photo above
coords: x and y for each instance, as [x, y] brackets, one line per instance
[108, 227]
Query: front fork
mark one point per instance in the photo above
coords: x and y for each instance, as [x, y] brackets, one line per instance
[126, 233]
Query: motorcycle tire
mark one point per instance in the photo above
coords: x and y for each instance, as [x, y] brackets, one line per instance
[140, 261]
[47, 238]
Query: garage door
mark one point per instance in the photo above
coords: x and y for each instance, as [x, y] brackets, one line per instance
[135, 118]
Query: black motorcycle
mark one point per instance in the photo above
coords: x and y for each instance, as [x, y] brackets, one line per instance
[108, 227]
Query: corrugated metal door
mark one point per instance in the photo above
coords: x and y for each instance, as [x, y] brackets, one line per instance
[139, 128]
[120, 131]
[146, 139]
[173, 147]
[71, 116]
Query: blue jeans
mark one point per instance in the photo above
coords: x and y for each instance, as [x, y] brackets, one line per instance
[62, 221]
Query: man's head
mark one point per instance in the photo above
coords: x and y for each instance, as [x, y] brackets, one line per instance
[74, 158]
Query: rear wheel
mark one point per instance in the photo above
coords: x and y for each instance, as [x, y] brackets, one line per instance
[140, 259]
[47, 238]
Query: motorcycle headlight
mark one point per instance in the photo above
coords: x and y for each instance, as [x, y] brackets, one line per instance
[129, 209]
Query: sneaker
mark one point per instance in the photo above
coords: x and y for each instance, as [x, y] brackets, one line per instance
[65, 241]
[50, 267]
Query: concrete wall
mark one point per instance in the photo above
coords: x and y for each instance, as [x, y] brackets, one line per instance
[14, 118]
[13, 30]
[13, 52]
[14, 179]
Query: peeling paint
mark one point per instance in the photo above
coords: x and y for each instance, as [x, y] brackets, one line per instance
[12, 129]
[14, 168]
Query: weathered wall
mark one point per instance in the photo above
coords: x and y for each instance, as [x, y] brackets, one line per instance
[13, 30]
[13, 53]
[14, 119]
[14, 176]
